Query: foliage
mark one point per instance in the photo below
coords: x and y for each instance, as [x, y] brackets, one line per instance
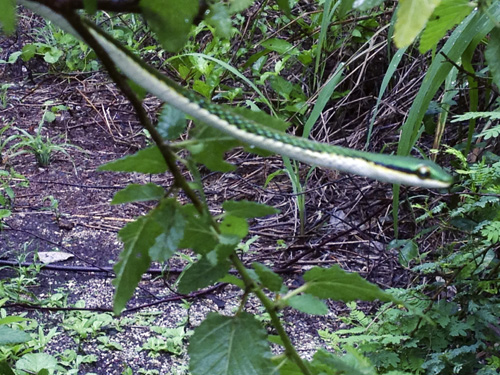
[440, 326]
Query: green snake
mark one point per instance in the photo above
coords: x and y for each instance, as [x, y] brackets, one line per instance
[386, 168]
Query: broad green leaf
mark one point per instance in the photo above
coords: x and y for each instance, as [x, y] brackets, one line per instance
[226, 246]
[492, 55]
[336, 284]
[407, 250]
[363, 5]
[139, 193]
[219, 18]
[411, 19]
[171, 20]
[447, 14]
[34, 363]
[172, 122]
[5, 368]
[237, 6]
[7, 15]
[169, 217]
[12, 336]
[308, 304]
[137, 237]
[247, 209]
[201, 274]
[199, 235]
[5, 213]
[211, 148]
[352, 363]
[268, 277]
[285, 7]
[345, 7]
[12, 319]
[233, 225]
[148, 160]
[224, 345]
[277, 45]
[90, 6]
[28, 52]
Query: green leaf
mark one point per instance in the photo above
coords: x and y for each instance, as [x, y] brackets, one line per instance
[248, 210]
[224, 345]
[12, 336]
[201, 274]
[339, 285]
[285, 7]
[148, 160]
[364, 5]
[407, 249]
[169, 217]
[412, 16]
[447, 14]
[34, 363]
[268, 277]
[137, 237]
[12, 319]
[236, 226]
[28, 52]
[139, 193]
[211, 148]
[172, 122]
[8, 15]
[90, 6]
[198, 233]
[171, 20]
[277, 45]
[492, 55]
[237, 6]
[351, 363]
[218, 17]
[5, 368]
[308, 304]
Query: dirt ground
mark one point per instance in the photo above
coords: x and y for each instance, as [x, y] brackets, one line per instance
[347, 220]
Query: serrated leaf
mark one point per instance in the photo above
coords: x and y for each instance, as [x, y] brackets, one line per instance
[268, 277]
[137, 237]
[248, 210]
[171, 20]
[336, 284]
[411, 19]
[308, 304]
[492, 55]
[224, 345]
[172, 122]
[201, 274]
[168, 215]
[139, 193]
[447, 14]
[148, 160]
[236, 226]
[198, 233]
[8, 15]
[36, 362]
[12, 336]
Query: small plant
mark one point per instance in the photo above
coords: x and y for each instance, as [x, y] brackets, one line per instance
[41, 146]
[3, 94]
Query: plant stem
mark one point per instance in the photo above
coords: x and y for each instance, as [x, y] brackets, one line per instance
[290, 351]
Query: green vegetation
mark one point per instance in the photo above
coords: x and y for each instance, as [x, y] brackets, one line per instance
[447, 322]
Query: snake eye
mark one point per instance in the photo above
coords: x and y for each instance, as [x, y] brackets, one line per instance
[423, 172]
